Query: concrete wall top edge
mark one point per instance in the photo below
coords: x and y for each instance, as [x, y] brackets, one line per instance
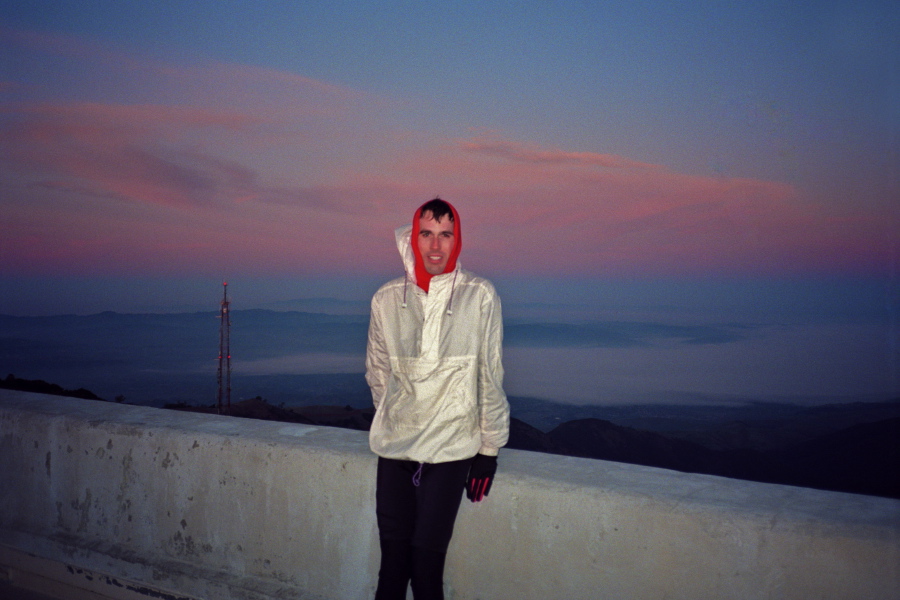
[111, 415]
[680, 492]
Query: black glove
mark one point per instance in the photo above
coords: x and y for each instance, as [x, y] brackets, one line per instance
[481, 476]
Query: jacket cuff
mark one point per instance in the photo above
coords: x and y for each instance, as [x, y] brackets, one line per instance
[489, 451]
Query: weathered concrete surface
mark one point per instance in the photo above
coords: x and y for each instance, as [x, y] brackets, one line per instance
[209, 506]
[132, 500]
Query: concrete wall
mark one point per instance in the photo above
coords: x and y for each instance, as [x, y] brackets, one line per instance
[132, 502]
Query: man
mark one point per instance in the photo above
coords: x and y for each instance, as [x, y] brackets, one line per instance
[433, 362]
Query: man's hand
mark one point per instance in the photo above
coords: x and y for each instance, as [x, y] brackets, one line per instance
[481, 476]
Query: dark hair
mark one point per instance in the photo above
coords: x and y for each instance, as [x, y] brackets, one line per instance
[438, 209]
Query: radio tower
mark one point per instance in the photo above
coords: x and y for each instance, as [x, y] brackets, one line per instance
[224, 354]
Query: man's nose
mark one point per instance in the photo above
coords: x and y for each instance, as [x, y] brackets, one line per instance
[435, 242]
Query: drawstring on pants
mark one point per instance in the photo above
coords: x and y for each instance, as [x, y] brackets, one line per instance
[417, 476]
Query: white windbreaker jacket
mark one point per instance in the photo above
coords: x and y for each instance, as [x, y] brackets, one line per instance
[434, 364]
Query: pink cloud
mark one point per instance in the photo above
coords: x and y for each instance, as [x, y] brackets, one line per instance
[177, 134]
[207, 167]
[141, 117]
[553, 211]
[130, 153]
[534, 155]
[210, 81]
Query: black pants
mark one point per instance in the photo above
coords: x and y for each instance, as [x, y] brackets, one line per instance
[415, 524]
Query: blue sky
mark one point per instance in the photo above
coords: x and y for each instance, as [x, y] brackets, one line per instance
[682, 162]
[636, 139]
[654, 81]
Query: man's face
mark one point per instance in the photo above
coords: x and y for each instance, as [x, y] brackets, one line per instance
[436, 242]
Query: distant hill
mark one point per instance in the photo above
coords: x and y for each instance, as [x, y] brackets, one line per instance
[604, 440]
[42, 387]
[863, 458]
[596, 438]
[791, 426]
[748, 425]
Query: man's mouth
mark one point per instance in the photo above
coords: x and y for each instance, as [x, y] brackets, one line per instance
[435, 258]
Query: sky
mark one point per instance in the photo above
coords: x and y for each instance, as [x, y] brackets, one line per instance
[617, 156]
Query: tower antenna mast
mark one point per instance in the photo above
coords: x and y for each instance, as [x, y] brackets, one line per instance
[224, 396]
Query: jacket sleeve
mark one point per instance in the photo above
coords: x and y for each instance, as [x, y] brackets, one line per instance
[492, 398]
[378, 363]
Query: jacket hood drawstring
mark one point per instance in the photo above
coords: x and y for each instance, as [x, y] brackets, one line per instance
[449, 302]
[452, 289]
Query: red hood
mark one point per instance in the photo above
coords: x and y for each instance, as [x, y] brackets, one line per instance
[423, 277]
